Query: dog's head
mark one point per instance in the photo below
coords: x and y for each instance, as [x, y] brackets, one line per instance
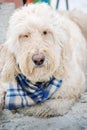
[35, 38]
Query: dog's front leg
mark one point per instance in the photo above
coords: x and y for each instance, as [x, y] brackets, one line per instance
[50, 108]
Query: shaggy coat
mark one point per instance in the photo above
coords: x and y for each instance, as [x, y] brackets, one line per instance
[61, 37]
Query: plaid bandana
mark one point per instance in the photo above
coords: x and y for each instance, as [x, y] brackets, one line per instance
[23, 93]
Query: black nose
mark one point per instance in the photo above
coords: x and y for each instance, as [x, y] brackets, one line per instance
[38, 59]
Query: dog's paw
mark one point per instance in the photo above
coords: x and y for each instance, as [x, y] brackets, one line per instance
[40, 110]
[49, 108]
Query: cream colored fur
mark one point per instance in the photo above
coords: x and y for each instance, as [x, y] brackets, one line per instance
[64, 47]
[79, 18]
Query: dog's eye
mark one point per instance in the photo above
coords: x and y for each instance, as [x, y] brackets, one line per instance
[23, 37]
[26, 36]
[44, 32]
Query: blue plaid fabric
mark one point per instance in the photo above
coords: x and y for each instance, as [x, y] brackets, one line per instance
[24, 93]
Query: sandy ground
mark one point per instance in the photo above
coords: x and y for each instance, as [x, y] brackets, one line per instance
[76, 119]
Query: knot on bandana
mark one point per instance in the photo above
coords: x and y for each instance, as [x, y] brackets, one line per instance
[24, 93]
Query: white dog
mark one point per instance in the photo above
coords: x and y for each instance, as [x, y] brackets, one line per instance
[42, 43]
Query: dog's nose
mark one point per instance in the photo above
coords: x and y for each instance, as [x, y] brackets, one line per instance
[38, 59]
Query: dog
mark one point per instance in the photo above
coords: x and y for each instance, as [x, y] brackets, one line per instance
[42, 43]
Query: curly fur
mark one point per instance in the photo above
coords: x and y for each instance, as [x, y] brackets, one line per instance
[64, 47]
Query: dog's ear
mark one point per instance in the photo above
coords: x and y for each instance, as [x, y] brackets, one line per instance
[7, 64]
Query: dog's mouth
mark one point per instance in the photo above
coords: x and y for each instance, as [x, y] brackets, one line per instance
[40, 66]
[38, 73]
